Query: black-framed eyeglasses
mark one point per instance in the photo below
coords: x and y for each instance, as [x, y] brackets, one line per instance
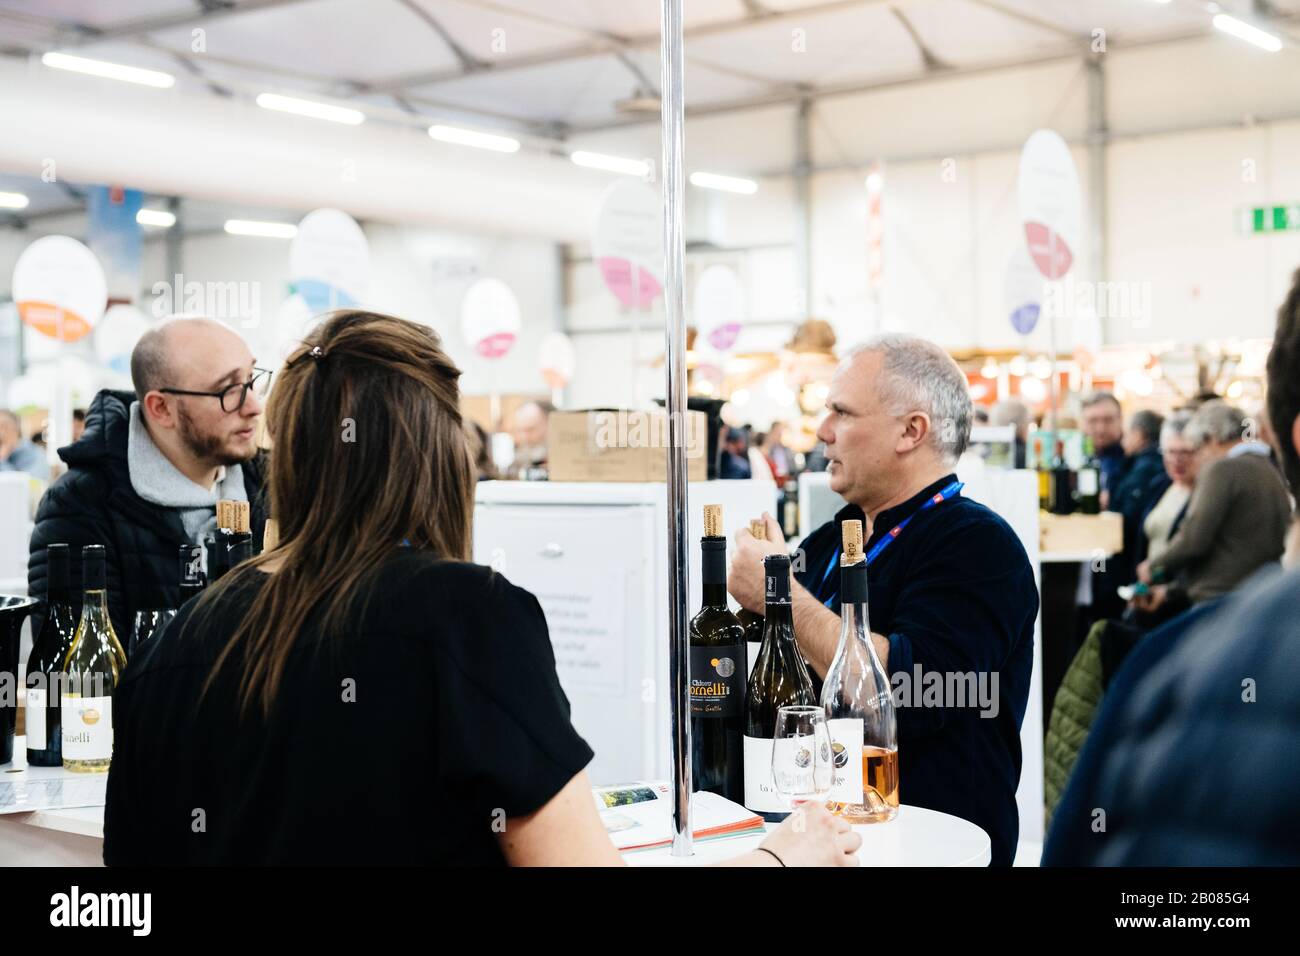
[232, 397]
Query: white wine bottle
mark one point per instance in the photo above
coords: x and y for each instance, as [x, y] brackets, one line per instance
[779, 679]
[859, 707]
[90, 674]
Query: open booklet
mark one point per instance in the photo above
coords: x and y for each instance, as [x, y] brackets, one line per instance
[638, 816]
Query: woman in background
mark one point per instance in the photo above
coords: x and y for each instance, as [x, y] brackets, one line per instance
[362, 693]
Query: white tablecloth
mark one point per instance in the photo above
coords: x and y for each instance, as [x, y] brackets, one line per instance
[916, 837]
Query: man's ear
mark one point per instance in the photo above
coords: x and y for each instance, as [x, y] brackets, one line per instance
[916, 431]
[1295, 433]
[157, 410]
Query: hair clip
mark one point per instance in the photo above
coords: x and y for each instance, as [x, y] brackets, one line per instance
[317, 352]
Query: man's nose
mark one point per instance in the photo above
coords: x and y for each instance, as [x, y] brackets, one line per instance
[823, 433]
[252, 405]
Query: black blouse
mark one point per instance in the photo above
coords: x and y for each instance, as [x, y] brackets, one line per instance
[409, 739]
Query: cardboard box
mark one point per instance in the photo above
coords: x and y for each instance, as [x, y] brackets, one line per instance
[1079, 533]
[617, 445]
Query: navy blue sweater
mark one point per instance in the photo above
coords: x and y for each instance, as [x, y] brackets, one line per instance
[954, 593]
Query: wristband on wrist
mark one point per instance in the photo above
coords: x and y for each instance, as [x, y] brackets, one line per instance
[763, 849]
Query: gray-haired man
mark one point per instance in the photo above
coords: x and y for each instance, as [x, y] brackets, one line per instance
[952, 590]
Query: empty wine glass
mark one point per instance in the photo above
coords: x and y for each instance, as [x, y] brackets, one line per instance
[802, 765]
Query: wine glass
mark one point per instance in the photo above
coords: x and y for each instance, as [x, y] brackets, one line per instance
[802, 765]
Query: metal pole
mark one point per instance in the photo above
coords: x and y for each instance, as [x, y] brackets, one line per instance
[671, 120]
[803, 205]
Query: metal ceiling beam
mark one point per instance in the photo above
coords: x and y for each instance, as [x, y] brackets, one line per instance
[790, 96]
[932, 63]
[601, 43]
[142, 25]
[468, 62]
[1030, 19]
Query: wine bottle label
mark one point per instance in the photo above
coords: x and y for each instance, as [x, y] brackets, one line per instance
[35, 718]
[846, 746]
[1087, 482]
[87, 728]
[717, 681]
[760, 789]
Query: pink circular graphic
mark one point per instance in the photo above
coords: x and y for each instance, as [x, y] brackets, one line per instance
[617, 274]
[1049, 250]
[495, 346]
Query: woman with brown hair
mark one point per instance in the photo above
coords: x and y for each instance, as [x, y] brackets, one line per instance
[362, 693]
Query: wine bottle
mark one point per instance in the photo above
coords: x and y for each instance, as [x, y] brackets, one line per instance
[1044, 477]
[240, 546]
[219, 549]
[718, 669]
[45, 663]
[90, 674]
[779, 679]
[790, 509]
[1088, 481]
[858, 703]
[752, 621]
[191, 573]
[1062, 492]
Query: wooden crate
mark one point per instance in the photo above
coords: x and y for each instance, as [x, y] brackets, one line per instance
[1081, 534]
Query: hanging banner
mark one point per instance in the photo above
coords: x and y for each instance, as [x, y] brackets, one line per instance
[329, 261]
[627, 243]
[875, 228]
[1022, 291]
[59, 287]
[719, 306]
[490, 318]
[114, 236]
[1051, 203]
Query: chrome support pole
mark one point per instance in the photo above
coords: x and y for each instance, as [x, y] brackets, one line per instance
[671, 120]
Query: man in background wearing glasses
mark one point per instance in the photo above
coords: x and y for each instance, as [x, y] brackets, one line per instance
[146, 474]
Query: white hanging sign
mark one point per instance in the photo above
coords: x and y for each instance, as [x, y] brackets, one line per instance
[627, 243]
[329, 261]
[1051, 203]
[60, 288]
[490, 318]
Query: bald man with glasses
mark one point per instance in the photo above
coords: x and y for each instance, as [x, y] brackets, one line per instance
[146, 474]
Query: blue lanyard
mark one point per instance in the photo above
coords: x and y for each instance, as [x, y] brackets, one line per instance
[950, 492]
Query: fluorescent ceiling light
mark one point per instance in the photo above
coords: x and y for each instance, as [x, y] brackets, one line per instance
[1244, 31]
[13, 201]
[156, 217]
[469, 137]
[731, 184]
[611, 164]
[322, 111]
[266, 230]
[111, 71]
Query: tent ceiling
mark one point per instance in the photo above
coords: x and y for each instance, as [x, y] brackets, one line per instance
[554, 66]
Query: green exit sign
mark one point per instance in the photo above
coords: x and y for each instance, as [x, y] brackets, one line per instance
[1261, 219]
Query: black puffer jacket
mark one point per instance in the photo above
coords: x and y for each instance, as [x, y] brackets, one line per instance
[94, 503]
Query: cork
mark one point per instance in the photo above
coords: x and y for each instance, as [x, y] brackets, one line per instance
[713, 521]
[852, 534]
[758, 528]
[225, 517]
[270, 535]
[240, 517]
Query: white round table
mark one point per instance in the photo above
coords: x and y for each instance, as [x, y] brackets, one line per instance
[916, 837]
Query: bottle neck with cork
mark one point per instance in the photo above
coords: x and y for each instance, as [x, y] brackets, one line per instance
[713, 559]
